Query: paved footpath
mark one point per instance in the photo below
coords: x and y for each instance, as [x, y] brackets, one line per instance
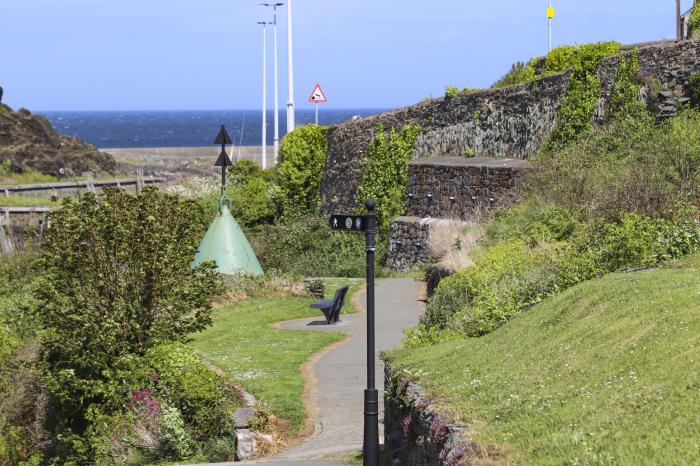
[341, 374]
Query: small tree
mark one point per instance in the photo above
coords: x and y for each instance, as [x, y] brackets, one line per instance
[115, 280]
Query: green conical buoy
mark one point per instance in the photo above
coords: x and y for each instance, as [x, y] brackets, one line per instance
[224, 242]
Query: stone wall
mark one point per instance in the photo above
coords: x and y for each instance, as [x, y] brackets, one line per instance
[434, 274]
[454, 187]
[408, 243]
[510, 122]
[416, 433]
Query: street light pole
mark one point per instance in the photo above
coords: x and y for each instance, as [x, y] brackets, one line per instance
[264, 95]
[290, 71]
[276, 146]
[679, 32]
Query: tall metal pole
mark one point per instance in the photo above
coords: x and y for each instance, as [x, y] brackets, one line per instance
[549, 27]
[316, 103]
[679, 32]
[290, 71]
[264, 96]
[371, 431]
[276, 147]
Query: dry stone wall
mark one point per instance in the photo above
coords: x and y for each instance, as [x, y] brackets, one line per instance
[511, 122]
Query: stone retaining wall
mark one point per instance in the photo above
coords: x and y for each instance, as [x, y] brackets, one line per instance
[434, 274]
[416, 433]
[508, 122]
[454, 187]
[408, 243]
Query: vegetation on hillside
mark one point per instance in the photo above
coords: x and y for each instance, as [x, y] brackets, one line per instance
[603, 373]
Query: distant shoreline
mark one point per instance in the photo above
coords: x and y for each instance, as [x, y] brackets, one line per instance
[203, 151]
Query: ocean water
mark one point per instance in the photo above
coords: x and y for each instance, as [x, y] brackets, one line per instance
[183, 128]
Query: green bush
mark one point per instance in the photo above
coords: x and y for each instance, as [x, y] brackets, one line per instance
[694, 23]
[451, 91]
[540, 250]
[302, 164]
[207, 400]
[633, 165]
[385, 176]
[624, 98]
[257, 202]
[116, 281]
[308, 247]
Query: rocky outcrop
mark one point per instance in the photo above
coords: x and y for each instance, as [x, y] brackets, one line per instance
[29, 142]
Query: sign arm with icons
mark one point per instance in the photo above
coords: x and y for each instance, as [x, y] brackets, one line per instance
[348, 222]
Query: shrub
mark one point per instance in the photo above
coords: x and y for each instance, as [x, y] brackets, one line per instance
[115, 281]
[451, 91]
[302, 163]
[256, 202]
[308, 247]
[624, 98]
[634, 165]
[385, 176]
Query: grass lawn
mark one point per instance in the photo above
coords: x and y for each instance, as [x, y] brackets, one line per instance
[265, 360]
[607, 372]
[26, 201]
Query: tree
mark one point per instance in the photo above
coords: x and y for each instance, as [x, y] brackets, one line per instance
[116, 280]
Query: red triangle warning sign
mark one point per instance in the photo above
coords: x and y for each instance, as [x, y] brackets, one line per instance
[317, 96]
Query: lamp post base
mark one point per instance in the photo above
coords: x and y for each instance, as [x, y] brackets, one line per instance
[371, 440]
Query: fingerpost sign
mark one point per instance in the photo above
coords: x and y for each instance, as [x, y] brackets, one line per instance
[366, 223]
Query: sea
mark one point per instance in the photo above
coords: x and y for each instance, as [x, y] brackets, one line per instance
[191, 128]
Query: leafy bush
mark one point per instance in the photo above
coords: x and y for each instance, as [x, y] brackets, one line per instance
[694, 23]
[624, 98]
[256, 202]
[308, 247]
[303, 155]
[385, 176]
[115, 281]
[541, 250]
[451, 91]
[694, 85]
[634, 165]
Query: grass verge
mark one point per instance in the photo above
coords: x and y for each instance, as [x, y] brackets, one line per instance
[26, 201]
[607, 372]
[266, 360]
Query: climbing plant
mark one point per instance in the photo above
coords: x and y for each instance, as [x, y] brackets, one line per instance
[624, 99]
[694, 23]
[386, 174]
[576, 112]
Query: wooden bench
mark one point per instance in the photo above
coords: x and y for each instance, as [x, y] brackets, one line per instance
[331, 307]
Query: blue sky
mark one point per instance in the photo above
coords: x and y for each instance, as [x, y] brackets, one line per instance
[206, 54]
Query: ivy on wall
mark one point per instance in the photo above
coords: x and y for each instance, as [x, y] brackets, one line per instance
[576, 111]
[386, 173]
[624, 99]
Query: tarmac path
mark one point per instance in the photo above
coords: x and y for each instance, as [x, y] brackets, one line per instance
[341, 373]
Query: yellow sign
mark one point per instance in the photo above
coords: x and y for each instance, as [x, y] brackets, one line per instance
[550, 13]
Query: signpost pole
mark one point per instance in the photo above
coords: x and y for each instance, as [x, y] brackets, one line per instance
[371, 432]
[316, 113]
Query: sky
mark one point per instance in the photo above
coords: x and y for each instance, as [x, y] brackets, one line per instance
[207, 54]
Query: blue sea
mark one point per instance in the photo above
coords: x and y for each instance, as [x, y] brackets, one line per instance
[183, 128]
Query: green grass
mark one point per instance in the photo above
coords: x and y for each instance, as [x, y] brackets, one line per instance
[607, 372]
[265, 360]
[27, 177]
[26, 201]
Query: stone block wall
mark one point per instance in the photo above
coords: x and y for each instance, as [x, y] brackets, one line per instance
[408, 243]
[454, 187]
[509, 122]
[434, 274]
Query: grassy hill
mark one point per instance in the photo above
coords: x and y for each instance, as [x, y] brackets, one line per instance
[607, 372]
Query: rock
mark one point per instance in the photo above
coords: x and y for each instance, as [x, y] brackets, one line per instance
[29, 141]
[242, 417]
[249, 399]
[246, 444]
